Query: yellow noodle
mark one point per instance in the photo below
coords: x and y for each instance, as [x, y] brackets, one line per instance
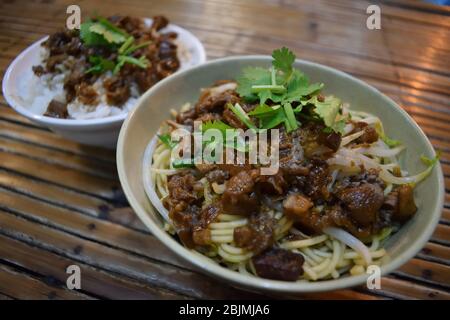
[304, 243]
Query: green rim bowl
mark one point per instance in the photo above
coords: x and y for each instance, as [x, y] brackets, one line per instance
[154, 107]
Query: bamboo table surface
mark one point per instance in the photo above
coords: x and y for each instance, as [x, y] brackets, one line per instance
[61, 202]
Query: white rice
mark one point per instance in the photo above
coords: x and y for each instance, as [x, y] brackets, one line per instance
[37, 92]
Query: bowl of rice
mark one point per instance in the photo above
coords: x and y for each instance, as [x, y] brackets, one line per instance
[81, 84]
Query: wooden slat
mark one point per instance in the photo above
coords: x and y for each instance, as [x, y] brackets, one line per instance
[59, 158]
[53, 193]
[426, 271]
[92, 280]
[436, 252]
[105, 232]
[108, 259]
[21, 286]
[401, 289]
[52, 141]
[59, 175]
[442, 234]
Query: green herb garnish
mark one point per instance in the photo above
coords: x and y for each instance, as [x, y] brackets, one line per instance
[288, 88]
[103, 33]
[99, 65]
[167, 140]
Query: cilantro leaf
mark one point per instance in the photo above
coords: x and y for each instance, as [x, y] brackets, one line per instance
[263, 109]
[240, 113]
[290, 116]
[183, 163]
[299, 87]
[90, 38]
[283, 59]
[390, 142]
[271, 119]
[327, 110]
[167, 140]
[101, 33]
[216, 124]
[142, 62]
[233, 140]
[100, 65]
[110, 35]
[252, 76]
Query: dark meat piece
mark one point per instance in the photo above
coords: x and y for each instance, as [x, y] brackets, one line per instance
[317, 143]
[187, 117]
[167, 49]
[216, 103]
[317, 180]
[297, 207]
[201, 237]
[56, 109]
[234, 169]
[399, 204]
[406, 206]
[185, 217]
[314, 222]
[181, 188]
[159, 22]
[218, 176]
[75, 77]
[370, 135]
[331, 140]
[291, 155]
[132, 25]
[272, 184]
[209, 214]
[230, 118]
[208, 117]
[279, 264]
[239, 196]
[86, 94]
[185, 209]
[57, 42]
[166, 67]
[258, 235]
[145, 78]
[243, 236]
[363, 202]
[38, 70]
[117, 90]
[55, 60]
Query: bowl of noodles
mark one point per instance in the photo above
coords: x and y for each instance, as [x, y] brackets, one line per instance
[279, 174]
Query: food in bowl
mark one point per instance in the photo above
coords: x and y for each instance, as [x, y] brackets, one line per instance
[101, 69]
[339, 194]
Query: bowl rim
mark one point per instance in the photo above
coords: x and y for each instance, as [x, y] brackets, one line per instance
[239, 279]
[74, 123]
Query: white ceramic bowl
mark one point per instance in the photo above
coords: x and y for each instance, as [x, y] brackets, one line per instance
[153, 108]
[99, 132]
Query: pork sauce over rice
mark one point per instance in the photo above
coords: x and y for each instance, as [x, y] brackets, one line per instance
[101, 69]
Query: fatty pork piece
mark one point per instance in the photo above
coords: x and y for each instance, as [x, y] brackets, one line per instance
[258, 235]
[57, 109]
[240, 197]
[279, 264]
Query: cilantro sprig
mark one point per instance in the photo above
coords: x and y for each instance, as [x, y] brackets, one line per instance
[102, 33]
[290, 90]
